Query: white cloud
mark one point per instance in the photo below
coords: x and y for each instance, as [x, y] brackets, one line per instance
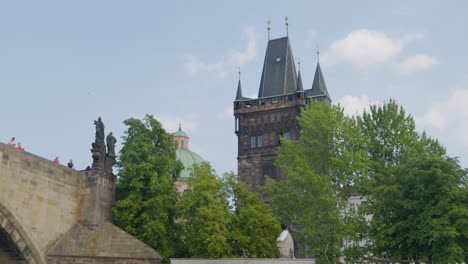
[450, 114]
[194, 65]
[171, 123]
[416, 63]
[363, 48]
[355, 105]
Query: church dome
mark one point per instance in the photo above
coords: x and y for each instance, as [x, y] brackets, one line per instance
[187, 157]
[180, 133]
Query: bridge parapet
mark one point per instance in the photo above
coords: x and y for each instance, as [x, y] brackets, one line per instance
[36, 190]
[40, 201]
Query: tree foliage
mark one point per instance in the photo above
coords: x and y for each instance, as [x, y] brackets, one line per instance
[204, 214]
[319, 171]
[417, 195]
[253, 226]
[212, 228]
[390, 135]
[421, 213]
[146, 197]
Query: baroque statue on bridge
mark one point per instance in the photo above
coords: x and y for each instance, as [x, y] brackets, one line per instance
[103, 161]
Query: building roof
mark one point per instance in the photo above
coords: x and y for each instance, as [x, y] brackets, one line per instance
[299, 88]
[188, 159]
[107, 241]
[180, 133]
[239, 91]
[279, 71]
[319, 88]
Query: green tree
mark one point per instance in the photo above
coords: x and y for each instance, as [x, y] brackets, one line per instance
[421, 212]
[253, 226]
[414, 195]
[320, 170]
[146, 197]
[391, 137]
[204, 214]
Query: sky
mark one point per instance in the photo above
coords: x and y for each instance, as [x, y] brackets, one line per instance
[65, 63]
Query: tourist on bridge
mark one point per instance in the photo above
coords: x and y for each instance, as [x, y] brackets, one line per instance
[12, 142]
[70, 164]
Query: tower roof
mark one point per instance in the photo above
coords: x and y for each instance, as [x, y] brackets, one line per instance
[239, 91]
[279, 71]
[180, 133]
[299, 88]
[319, 88]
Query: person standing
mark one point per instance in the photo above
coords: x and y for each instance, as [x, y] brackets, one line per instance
[70, 164]
[12, 142]
[56, 160]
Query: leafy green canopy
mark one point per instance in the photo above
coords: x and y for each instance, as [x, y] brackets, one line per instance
[146, 197]
[211, 229]
[421, 212]
[253, 226]
[204, 213]
[319, 171]
[417, 195]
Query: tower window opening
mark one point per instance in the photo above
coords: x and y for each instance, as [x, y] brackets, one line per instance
[260, 141]
[253, 142]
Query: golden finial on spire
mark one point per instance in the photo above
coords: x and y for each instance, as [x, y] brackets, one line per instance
[287, 24]
[268, 28]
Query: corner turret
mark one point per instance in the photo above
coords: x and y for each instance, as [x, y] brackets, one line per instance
[239, 91]
[319, 89]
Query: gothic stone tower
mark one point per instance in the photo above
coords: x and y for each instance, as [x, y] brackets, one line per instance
[260, 122]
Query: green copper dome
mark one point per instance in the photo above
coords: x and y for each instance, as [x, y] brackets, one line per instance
[188, 158]
[180, 133]
[184, 155]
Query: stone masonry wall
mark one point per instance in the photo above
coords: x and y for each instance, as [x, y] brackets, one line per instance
[34, 190]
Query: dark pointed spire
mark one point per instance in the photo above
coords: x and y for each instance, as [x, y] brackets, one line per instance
[239, 91]
[299, 88]
[319, 88]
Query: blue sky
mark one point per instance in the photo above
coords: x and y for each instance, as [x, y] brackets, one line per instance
[64, 63]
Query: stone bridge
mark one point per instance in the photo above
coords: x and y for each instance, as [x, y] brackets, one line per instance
[50, 213]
